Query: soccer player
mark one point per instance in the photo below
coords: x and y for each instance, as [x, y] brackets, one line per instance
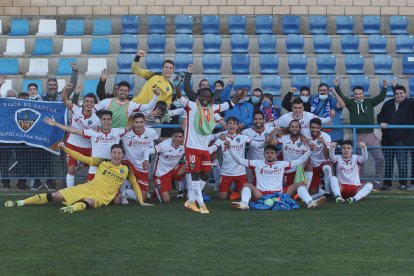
[94, 194]
[346, 185]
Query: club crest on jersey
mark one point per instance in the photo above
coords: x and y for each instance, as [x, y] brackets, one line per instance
[192, 166]
[167, 89]
[26, 118]
[121, 171]
[90, 122]
[318, 142]
[238, 140]
[299, 144]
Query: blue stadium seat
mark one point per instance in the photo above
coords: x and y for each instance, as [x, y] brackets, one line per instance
[291, 24]
[298, 81]
[212, 63]
[19, 27]
[183, 24]
[360, 80]
[354, 64]
[130, 24]
[75, 27]
[264, 24]
[64, 67]
[128, 43]
[297, 64]
[389, 78]
[407, 64]
[9, 66]
[404, 44]
[344, 24]
[350, 44]
[211, 43]
[327, 79]
[43, 47]
[26, 82]
[89, 86]
[322, 44]
[371, 24]
[398, 24]
[154, 62]
[239, 43]
[182, 61]
[210, 24]
[377, 44]
[99, 46]
[124, 62]
[156, 24]
[326, 64]
[382, 64]
[237, 24]
[271, 84]
[411, 86]
[318, 24]
[267, 44]
[294, 44]
[156, 43]
[212, 79]
[269, 64]
[102, 27]
[184, 43]
[240, 64]
[242, 82]
[128, 78]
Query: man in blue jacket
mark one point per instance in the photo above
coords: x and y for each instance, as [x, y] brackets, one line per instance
[243, 110]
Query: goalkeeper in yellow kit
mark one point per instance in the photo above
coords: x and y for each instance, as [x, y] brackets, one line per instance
[99, 192]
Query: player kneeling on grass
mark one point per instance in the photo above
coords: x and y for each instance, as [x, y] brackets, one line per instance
[269, 178]
[347, 185]
[99, 192]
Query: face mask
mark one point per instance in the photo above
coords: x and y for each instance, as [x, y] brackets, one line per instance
[241, 101]
[323, 97]
[305, 99]
[255, 99]
[265, 104]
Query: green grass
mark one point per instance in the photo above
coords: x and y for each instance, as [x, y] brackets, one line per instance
[374, 236]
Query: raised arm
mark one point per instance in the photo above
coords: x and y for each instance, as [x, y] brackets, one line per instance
[332, 155]
[146, 74]
[100, 88]
[73, 77]
[341, 95]
[287, 99]
[191, 95]
[65, 96]
[381, 96]
[238, 159]
[52, 122]
[225, 94]
[364, 151]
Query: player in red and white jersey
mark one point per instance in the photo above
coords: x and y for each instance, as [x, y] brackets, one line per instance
[269, 178]
[346, 184]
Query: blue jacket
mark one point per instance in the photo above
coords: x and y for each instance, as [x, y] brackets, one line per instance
[243, 112]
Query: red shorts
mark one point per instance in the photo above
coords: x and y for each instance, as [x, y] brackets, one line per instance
[284, 190]
[226, 181]
[165, 182]
[197, 160]
[316, 178]
[84, 151]
[90, 176]
[348, 190]
[142, 177]
[289, 178]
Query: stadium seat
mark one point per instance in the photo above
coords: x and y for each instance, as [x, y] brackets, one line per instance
[398, 24]
[184, 43]
[271, 84]
[71, 47]
[389, 78]
[156, 24]
[360, 80]
[212, 63]
[269, 64]
[75, 27]
[242, 82]
[239, 43]
[294, 44]
[350, 44]
[15, 47]
[19, 27]
[327, 79]
[154, 62]
[267, 44]
[182, 61]
[240, 64]
[124, 62]
[128, 43]
[38, 67]
[8, 84]
[237, 24]
[407, 64]
[130, 24]
[404, 44]
[9, 66]
[102, 27]
[354, 64]
[95, 66]
[318, 24]
[211, 43]
[382, 64]
[326, 64]
[210, 24]
[64, 67]
[156, 43]
[47, 27]
[371, 24]
[264, 24]
[377, 44]
[299, 81]
[344, 24]
[128, 78]
[26, 83]
[1, 29]
[291, 24]
[411, 86]
[43, 47]
[99, 46]
[183, 24]
[89, 86]
[322, 44]
[297, 64]
[212, 79]
[61, 84]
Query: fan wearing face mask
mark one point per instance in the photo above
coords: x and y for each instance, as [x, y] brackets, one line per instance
[270, 111]
[304, 96]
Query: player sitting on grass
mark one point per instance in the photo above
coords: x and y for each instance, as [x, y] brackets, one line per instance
[346, 184]
[269, 178]
[99, 192]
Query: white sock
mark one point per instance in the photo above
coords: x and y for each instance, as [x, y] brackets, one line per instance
[364, 191]
[216, 174]
[70, 180]
[335, 186]
[309, 176]
[21, 202]
[304, 194]
[327, 174]
[197, 192]
[181, 185]
[123, 188]
[130, 194]
[188, 182]
[319, 194]
[202, 184]
[246, 195]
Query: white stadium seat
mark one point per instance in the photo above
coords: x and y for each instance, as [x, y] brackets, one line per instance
[38, 67]
[71, 47]
[47, 27]
[15, 47]
[95, 66]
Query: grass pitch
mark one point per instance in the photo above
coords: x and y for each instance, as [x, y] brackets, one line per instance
[374, 236]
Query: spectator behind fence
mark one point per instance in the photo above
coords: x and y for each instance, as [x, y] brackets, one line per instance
[52, 94]
[304, 95]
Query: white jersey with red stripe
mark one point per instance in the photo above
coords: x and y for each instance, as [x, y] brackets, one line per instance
[102, 142]
[135, 145]
[257, 153]
[304, 119]
[292, 150]
[347, 171]
[317, 156]
[168, 157]
[80, 121]
[269, 176]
